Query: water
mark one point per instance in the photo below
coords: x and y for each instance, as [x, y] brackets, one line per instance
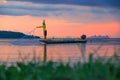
[12, 50]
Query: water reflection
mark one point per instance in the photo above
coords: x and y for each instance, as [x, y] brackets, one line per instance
[52, 52]
[82, 47]
[45, 53]
[83, 51]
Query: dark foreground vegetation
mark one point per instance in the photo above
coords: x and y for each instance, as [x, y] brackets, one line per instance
[97, 69]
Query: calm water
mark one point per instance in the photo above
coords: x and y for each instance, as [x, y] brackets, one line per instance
[12, 50]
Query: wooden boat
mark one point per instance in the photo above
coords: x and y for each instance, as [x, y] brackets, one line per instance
[59, 41]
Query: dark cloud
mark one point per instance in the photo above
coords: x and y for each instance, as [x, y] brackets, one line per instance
[97, 3]
[16, 9]
[28, 7]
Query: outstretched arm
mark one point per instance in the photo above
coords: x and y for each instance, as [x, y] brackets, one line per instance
[39, 27]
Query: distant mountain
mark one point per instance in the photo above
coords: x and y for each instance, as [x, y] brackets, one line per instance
[11, 34]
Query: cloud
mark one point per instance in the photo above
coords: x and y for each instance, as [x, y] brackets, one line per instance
[27, 8]
[97, 3]
[70, 12]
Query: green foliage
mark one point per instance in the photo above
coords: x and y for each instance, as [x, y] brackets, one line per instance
[91, 70]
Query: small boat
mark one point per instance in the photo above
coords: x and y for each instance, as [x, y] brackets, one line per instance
[83, 39]
[59, 41]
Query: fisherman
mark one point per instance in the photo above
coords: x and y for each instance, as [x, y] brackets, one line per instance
[44, 29]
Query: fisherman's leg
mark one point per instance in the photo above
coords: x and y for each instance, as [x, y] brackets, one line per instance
[45, 34]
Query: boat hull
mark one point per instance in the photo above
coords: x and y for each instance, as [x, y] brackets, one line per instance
[60, 41]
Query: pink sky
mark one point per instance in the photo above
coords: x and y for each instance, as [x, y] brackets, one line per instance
[62, 20]
[58, 27]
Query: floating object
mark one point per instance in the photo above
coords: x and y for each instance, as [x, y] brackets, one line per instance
[83, 37]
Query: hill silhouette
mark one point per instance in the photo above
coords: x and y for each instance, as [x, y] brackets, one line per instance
[11, 34]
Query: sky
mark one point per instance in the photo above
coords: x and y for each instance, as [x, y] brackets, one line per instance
[64, 18]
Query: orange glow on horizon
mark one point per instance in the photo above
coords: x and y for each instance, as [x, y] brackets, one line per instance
[3, 1]
[58, 27]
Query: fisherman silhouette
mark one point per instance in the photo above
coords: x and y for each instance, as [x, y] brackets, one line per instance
[44, 29]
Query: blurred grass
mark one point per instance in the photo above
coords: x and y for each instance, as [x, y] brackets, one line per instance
[93, 69]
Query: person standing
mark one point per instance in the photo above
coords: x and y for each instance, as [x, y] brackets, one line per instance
[44, 29]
